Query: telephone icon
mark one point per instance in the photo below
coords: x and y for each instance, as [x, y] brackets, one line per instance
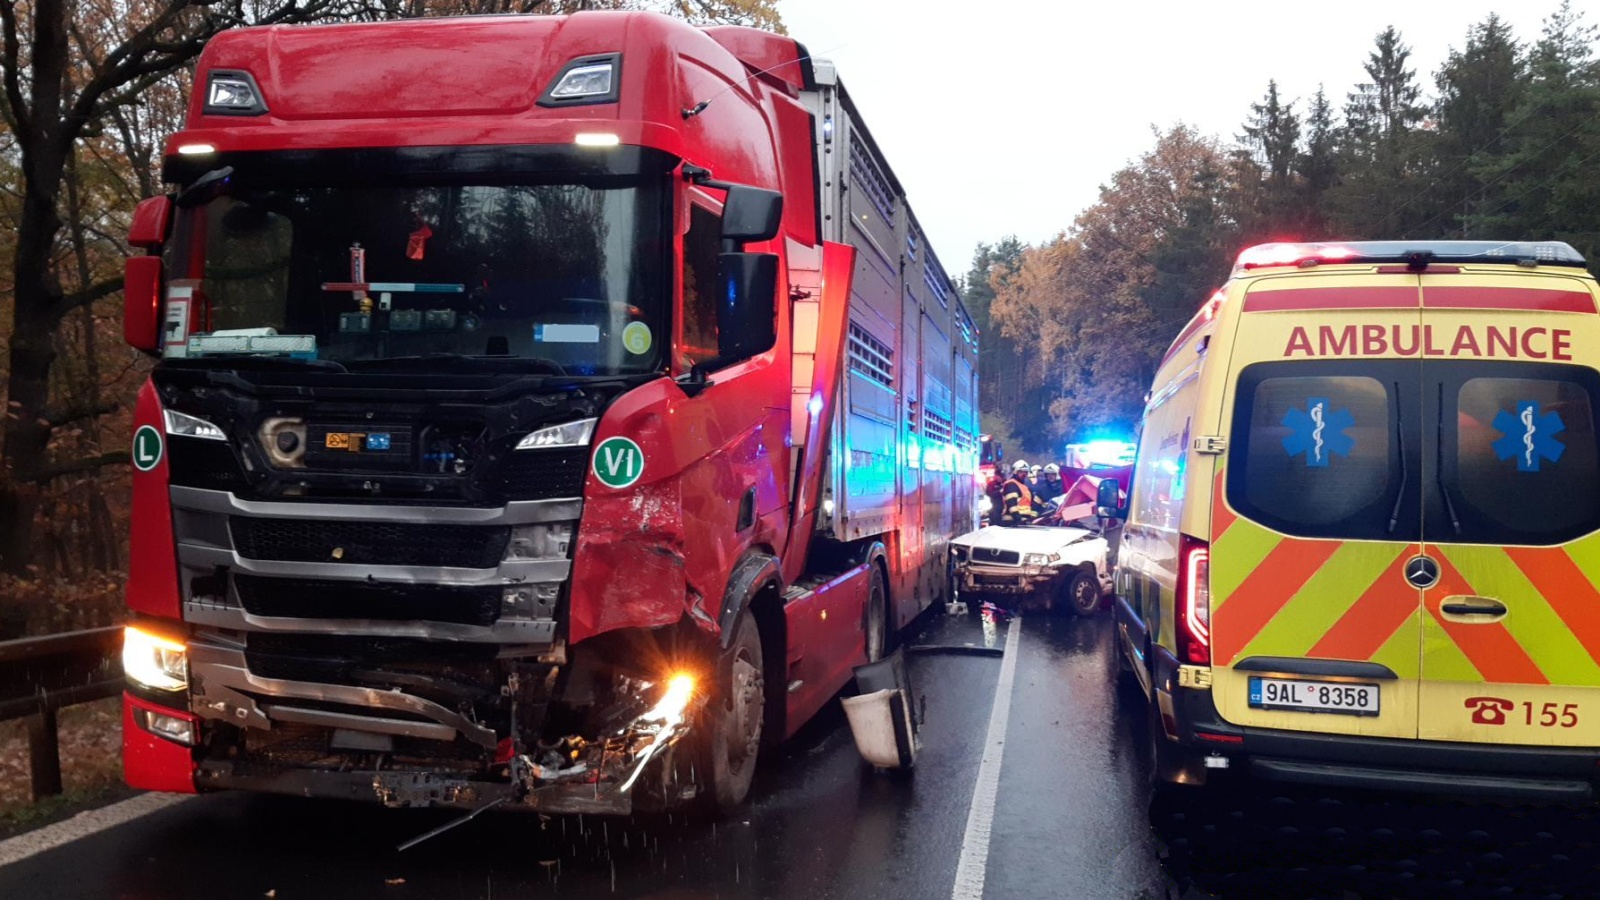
[1489, 710]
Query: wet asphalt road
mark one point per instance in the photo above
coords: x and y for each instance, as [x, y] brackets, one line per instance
[1072, 820]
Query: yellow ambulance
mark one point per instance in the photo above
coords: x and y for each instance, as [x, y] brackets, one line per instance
[1362, 541]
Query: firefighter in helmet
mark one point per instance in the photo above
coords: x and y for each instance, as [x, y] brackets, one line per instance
[1017, 506]
[1050, 484]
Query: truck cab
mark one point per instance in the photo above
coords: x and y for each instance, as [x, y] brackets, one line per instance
[499, 408]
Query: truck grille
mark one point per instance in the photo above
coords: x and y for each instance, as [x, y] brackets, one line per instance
[543, 474]
[370, 543]
[447, 671]
[304, 598]
[997, 557]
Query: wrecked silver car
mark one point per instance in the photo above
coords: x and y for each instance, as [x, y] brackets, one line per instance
[1062, 561]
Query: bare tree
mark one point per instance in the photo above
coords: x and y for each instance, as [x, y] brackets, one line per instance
[54, 92]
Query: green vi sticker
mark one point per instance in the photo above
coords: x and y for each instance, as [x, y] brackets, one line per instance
[146, 448]
[636, 338]
[618, 462]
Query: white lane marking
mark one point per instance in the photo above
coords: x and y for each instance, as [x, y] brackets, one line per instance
[980, 815]
[83, 825]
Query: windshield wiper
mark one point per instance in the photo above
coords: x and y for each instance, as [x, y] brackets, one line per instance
[1438, 469]
[1400, 446]
[253, 362]
[464, 362]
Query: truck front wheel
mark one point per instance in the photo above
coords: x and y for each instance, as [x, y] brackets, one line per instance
[731, 734]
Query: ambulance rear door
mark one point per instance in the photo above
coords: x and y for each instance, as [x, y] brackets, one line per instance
[1317, 507]
[1511, 628]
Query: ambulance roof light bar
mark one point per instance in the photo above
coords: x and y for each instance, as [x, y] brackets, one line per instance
[1548, 253]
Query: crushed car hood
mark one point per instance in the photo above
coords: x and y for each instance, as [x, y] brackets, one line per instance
[1028, 539]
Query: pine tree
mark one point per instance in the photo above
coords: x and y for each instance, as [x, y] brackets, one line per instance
[1385, 154]
[1395, 91]
[1000, 369]
[1544, 184]
[1273, 133]
[1480, 88]
[1272, 137]
[1317, 164]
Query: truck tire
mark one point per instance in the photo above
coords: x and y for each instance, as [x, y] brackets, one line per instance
[730, 739]
[878, 641]
[1083, 594]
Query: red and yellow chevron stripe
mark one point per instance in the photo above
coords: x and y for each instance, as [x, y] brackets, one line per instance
[1273, 595]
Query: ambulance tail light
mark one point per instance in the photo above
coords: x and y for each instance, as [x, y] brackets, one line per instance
[1194, 602]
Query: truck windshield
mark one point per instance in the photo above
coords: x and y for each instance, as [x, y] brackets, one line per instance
[567, 278]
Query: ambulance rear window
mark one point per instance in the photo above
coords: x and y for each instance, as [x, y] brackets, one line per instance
[1527, 468]
[1312, 452]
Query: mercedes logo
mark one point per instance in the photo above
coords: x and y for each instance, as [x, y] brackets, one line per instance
[1422, 572]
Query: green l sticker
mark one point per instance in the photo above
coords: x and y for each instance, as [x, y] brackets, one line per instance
[146, 448]
[618, 462]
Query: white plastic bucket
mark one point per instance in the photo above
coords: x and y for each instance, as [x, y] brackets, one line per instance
[872, 722]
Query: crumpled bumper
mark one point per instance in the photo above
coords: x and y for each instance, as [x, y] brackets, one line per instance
[1007, 579]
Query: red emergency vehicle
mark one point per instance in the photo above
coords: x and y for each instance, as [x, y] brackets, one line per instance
[550, 410]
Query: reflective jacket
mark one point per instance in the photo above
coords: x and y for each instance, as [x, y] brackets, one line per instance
[1016, 501]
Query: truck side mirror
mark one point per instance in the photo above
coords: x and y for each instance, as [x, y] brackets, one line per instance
[747, 323]
[141, 303]
[1109, 501]
[751, 214]
[148, 230]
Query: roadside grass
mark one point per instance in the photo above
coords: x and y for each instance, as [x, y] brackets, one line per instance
[91, 766]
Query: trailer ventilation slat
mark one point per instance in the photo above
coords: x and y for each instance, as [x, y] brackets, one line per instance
[871, 357]
[936, 284]
[871, 179]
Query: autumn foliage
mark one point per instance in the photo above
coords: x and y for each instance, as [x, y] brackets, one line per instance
[1506, 146]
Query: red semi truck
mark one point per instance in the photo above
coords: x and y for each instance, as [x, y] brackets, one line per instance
[549, 411]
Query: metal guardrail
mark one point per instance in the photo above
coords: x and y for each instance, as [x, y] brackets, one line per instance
[42, 675]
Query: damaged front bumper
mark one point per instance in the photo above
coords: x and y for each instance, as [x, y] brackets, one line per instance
[415, 789]
[389, 745]
[1008, 579]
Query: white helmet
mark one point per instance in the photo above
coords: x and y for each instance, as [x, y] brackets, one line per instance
[1019, 465]
[1052, 469]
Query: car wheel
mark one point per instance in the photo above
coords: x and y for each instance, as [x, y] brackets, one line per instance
[1083, 594]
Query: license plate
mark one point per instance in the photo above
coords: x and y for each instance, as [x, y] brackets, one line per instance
[1314, 696]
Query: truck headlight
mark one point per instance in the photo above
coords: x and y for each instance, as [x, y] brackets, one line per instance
[567, 434]
[588, 79]
[192, 426]
[153, 661]
[1041, 559]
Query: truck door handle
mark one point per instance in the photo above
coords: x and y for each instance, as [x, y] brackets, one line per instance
[1473, 606]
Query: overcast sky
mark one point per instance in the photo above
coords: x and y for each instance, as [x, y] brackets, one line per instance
[1005, 116]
